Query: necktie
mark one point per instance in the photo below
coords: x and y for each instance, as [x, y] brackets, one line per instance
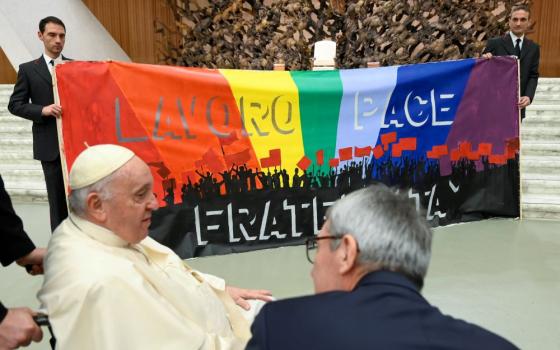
[518, 48]
[52, 61]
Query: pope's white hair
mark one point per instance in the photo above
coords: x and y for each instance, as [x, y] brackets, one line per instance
[77, 198]
[389, 231]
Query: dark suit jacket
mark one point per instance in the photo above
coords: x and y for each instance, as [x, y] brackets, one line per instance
[34, 83]
[384, 311]
[14, 242]
[528, 63]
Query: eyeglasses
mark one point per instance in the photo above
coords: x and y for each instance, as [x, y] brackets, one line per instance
[311, 246]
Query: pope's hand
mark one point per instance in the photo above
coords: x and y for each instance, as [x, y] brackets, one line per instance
[240, 295]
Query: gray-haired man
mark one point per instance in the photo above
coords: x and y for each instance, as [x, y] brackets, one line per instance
[369, 263]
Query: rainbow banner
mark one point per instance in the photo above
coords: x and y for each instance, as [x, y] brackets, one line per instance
[252, 159]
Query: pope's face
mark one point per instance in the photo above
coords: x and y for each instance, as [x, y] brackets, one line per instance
[519, 22]
[129, 209]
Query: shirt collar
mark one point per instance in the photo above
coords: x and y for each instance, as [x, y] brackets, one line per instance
[515, 37]
[47, 59]
[97, 233]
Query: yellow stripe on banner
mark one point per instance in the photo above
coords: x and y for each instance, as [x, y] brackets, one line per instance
[269, 105]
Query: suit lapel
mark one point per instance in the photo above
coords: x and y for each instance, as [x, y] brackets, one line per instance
[42, 70]
[508, 44]
[525, 48]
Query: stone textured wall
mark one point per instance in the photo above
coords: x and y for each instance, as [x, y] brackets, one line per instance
[253, 34]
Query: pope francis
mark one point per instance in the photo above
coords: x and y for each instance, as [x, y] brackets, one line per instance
[108, 286]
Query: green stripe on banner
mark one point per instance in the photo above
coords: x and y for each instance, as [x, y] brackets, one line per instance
[320, 94]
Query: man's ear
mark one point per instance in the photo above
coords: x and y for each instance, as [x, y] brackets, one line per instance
[95, 207]
[347, 254]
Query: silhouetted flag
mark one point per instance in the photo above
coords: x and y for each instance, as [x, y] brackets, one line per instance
[225, 141]
[512, 147]
[213, 161]
[485, 149]
[455, 155]
[396, 150]
[333, 162]
[388, 138]
[498, 159]
[274, 159]
[437, 151]
[345, 153]
[169, 183]
[473, 155]
[378, 152]
[464, 149]
[304, 163]
[237, 158]
[320, 155]
[408, 143]
[162, 170]
[362, 151]
[441, 150]
[192, 175]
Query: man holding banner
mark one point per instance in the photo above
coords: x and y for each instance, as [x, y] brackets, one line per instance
[109, 286]
[527, 51]
[33, 99]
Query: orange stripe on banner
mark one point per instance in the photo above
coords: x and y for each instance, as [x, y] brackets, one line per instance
[185, 118]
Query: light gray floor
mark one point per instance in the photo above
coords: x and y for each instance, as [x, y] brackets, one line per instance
[501, 274]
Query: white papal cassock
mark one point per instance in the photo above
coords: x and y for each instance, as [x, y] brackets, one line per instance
[103, 293]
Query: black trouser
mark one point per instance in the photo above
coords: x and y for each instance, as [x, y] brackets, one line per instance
[55, 191]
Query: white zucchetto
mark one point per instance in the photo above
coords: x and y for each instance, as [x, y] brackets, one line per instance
[97, 162]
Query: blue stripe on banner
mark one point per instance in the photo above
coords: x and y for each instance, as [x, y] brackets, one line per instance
[425, 102]
[366, 94]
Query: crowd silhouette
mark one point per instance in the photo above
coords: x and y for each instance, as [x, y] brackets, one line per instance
[395, 172]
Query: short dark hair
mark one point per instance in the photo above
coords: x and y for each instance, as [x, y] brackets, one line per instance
[50, 19]
[520, 7]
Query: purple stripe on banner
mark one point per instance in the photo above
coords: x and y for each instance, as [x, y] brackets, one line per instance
[479, 118]
[366, 94]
